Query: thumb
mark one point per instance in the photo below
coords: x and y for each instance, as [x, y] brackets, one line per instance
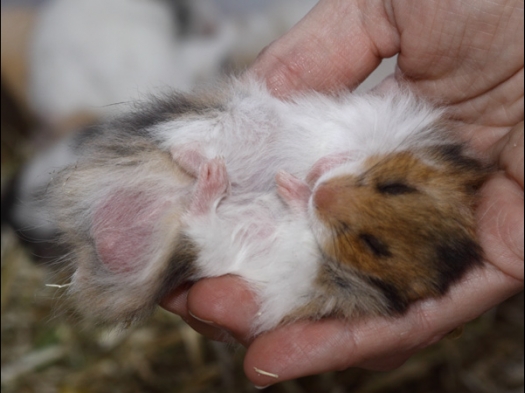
[339, 43]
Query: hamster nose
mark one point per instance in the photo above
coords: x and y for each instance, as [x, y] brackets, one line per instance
[325, 196]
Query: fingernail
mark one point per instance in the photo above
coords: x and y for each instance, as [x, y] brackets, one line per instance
[262, 387]
[211, 323]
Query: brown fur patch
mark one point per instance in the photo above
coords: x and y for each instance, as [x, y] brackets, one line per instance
[406, 223]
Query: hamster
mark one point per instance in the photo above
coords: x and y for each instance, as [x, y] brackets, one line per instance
[342, 205]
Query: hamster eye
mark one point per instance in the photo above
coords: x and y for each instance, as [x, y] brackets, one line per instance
[395, 188]
[375, 245]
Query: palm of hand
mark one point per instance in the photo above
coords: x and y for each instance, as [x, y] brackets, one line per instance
[483, 87]
[467, 55]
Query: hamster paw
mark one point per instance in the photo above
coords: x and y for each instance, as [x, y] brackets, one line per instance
[295, 192]
[212, 185]
[189, 158]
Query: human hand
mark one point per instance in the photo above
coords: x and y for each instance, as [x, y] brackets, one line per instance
[467, 55]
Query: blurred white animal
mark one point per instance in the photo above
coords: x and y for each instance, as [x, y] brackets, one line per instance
[88, 54]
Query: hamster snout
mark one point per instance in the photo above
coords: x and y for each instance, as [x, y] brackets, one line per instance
[324, 196]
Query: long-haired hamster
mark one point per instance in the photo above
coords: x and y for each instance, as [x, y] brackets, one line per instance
[345, 205]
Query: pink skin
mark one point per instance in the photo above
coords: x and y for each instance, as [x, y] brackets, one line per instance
[212, 185]
[328, 163]
[294, 192]
[119, 232]
[212, 177]
[117, 248]
[189, 158]
[297, 192]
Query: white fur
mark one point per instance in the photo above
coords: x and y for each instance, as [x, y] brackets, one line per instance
[256, 238]
[253, 234]
[259, 134]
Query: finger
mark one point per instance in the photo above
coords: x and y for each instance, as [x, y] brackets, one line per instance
[508, 153]
[501, 224]
[388, 362]
[443, 57]
[225, 302]
[339, 43]
[311, 348]
[176, 302]
[208, 330]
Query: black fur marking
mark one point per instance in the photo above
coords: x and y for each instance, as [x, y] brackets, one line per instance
[9, 200]
[340, 281]
[181, 267]
[455, 154]
[454, 257]
[395, 188]
[342, 228]
[160, 111]
[128, 150]
[85, 135]
[396, 303]
[183, 15]
[131, 134]
[378, 247]
[335, 274]
[105, 139]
